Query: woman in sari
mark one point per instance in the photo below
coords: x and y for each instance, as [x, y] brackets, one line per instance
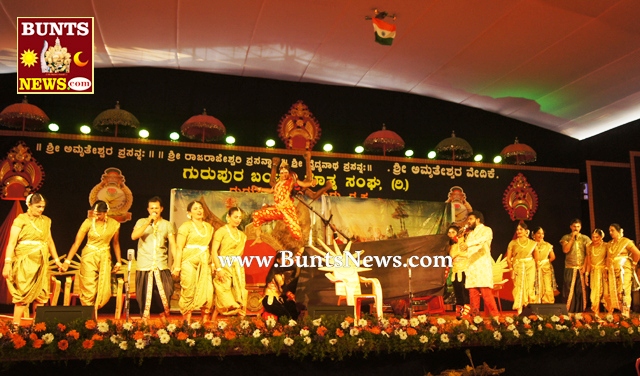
[622, 258]
[521, 257]
[229, 282]
[284, 208]
[595, 269]
[95, 264]
[192, 263]
[546, 280]
[27, 257]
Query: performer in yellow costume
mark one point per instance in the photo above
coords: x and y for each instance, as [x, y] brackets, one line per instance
[27, 257]
[622, 258]
[595, 269]
[229, 282]
[95, 264]
[521, 257]
[545, 278]
[192, 263]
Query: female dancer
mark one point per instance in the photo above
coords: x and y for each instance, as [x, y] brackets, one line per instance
[622, 258]
[27, 257]
[95, 263]
[521, 257]
[546, 279]
[282, 189]
[229, 282]
[192, 263]
[458, 277]
[595, 268]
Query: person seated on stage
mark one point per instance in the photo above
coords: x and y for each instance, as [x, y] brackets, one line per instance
[279, 294]
[283, 190]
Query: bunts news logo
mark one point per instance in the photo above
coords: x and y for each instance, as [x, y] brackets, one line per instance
[55, 55]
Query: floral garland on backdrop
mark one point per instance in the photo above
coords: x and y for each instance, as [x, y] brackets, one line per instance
[323, 338]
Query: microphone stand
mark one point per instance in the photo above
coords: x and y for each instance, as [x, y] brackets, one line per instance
[126, 284]
[410, 296]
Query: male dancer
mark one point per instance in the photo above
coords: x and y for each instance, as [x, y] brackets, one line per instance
[574, 245]
[156, 238]
[479, 272]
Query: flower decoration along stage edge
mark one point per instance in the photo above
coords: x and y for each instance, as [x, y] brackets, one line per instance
[332, 337]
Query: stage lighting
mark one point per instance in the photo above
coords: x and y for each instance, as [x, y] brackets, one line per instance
[230, 140]
[143, 133]
[327, 147]
[53, 127]
[497, 159]
[359, 149]
[478, 158]
[408, 153]
[85, 129]
[431, 154]
[174, 136]
[271, 143]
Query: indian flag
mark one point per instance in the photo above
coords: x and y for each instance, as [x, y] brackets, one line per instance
[384, 32]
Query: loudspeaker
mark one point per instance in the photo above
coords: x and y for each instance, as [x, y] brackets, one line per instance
[544, 309]
[317, 311]
[64, 314]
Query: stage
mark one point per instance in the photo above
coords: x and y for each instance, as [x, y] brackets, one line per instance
[529, 345]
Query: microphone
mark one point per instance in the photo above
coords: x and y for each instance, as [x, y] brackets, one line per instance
[153, 219]
[130, 254]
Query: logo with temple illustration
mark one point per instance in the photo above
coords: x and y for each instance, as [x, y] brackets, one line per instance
[55, 55]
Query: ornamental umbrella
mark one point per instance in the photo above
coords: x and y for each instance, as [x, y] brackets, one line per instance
[23, 115]
[384, 140]
[204, 127]
[454, 148]
[112, 118]
[518, 153]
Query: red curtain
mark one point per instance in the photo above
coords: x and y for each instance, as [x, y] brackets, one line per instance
[5, 229]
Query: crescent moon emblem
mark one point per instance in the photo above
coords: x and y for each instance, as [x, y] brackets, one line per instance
[76, 59]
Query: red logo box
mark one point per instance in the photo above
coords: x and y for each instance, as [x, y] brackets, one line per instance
[55, 55]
